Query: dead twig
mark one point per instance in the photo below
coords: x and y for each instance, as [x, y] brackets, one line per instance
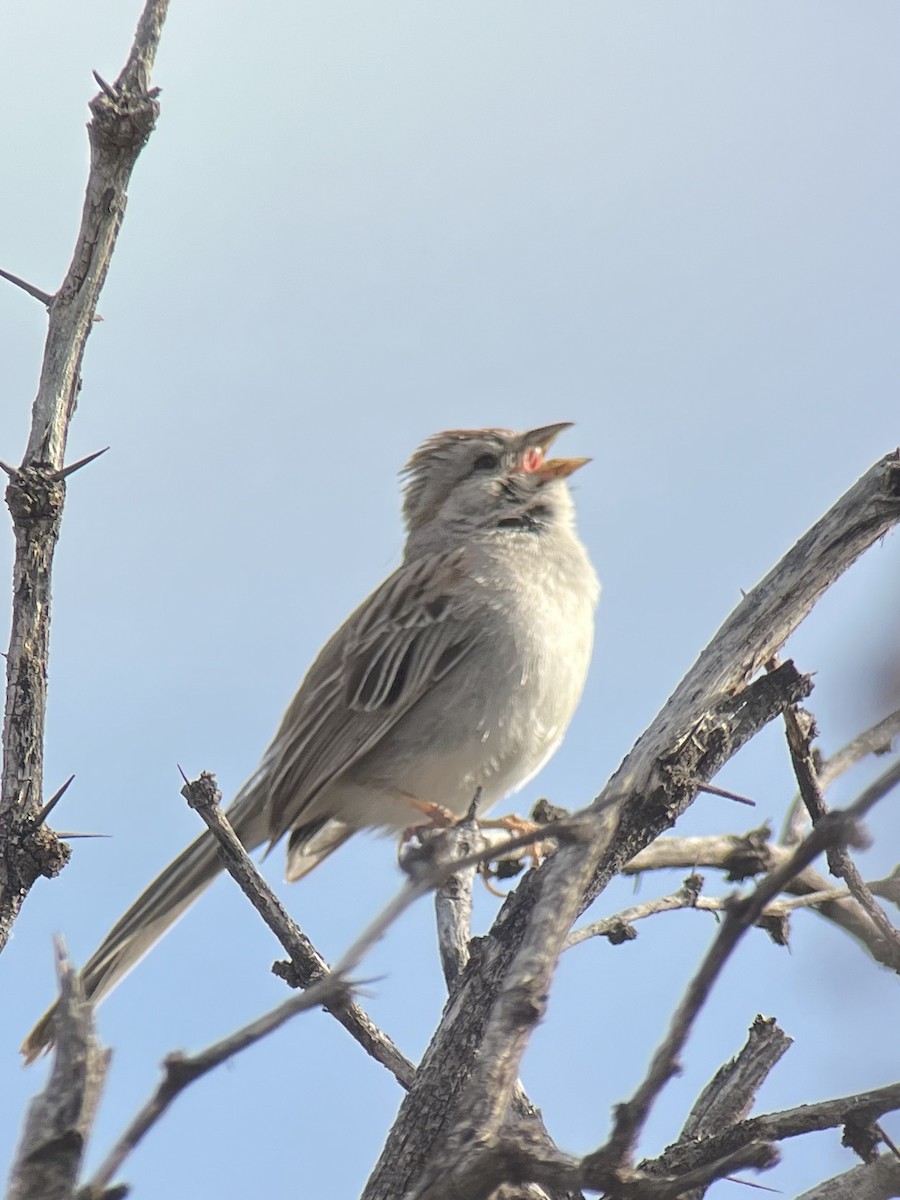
[872, 1181]
[619, 927]
[833, 829]
[800, 733]
[743, 855]
[876, 740]
[859, 1108]
[59, 1120]
[453, 901]
[119, 128]
[307, 968]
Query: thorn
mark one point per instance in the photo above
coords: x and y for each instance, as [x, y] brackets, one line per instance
[10, 471]
[69, 836]
[105, 87]
[51, 804]
[45, 298]
[717, 791]
[82, 462]
[182, 774]
[760, 1187]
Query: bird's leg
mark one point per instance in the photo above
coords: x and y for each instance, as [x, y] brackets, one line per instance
[436, 817]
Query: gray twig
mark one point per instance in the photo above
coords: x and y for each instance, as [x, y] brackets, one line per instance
[800, 732]
[878, 1180]
[119, 128]
[307, 967]
[743, 855]
[619, 927]
[876, 740]
[729, 1095]
[453, 902]
[832, 829]
[774, 1127]
[879, 788]
[59, 1120]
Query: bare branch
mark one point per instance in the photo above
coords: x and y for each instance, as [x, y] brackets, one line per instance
[307, 967]
[521, 1158]
[453, 904]
[759, 1156]
[800, 732]
[729, 1095]
[876, 740]
[859, 1108]
[743, 855]
[631, 1116]
[618, 927]
[59, 1120]
[878, 1180]
[118, 131]
[711, 790]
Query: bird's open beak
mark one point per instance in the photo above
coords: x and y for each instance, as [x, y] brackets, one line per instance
[560, 468]
[542, 439]
[545, 436]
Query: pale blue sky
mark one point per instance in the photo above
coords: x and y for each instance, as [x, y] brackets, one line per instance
[674, 224]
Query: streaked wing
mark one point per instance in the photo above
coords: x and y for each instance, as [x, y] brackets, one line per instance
[409, 634]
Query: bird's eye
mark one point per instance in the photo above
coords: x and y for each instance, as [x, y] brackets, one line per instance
[486, 462]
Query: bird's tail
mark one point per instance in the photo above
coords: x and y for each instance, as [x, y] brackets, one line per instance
[157, 909]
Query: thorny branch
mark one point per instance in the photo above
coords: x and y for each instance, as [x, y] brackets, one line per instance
[123, 116]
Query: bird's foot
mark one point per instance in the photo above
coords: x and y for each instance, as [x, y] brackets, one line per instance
[507, 866]
[436, 817]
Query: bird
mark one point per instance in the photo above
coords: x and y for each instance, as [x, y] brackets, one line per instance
[458, 676]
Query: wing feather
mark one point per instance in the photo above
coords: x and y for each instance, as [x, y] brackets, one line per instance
[411, 632]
